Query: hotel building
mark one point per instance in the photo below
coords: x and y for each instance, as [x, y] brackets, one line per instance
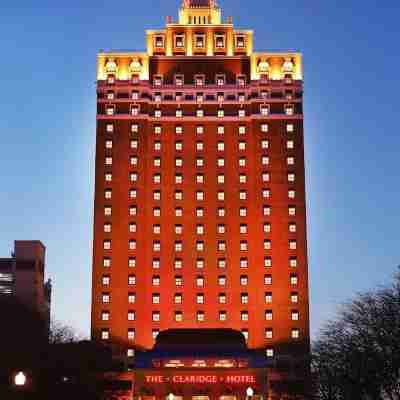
[199, 213]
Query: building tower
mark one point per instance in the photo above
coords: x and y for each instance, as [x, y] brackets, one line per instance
[199, 216]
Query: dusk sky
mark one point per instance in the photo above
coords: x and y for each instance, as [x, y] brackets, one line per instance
[352, 138]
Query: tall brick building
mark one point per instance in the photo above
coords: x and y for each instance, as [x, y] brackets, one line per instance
[200, 217]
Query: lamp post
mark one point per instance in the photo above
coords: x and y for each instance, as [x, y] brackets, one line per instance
[249, 392]
[20, 379]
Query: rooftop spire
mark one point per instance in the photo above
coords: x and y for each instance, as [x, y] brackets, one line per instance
[199, 12]
[199, 4]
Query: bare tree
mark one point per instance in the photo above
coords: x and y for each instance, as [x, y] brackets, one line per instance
[61, 333]
[357, 355]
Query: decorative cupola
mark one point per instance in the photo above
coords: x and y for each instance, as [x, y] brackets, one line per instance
[199, 12]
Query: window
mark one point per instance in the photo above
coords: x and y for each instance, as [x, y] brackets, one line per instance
[159, 41]
[108, 177]
[289, 128]
[222, 315]
[220, 80]
[264, 109]
[200, 298]
[244, 280]
[109, 144]
[200, 229]
[178, 131]
[133, 193]
[178, 263]
[157, 97]
[294, 297]
[268, 297]
[178, 195]
[242, 146]
[178, 280]
[199, 113]
[267, 262]
[157, 113]
[156, 280]
[200, 316]
[105, 334]
[199, 79]
[132, 244]
[131, 334]
[131, 280]
[295, 316]
[292, 245]
[178, 212]
[107, 211]
[268, 315]
[292, 211]
[156, 246]
[178, 229]
[106, 262]
[266, 193]
[179, 147]
[178, 161]
[244, 316]
[180, 41]
[289, 109]
[290, 144]
[154, 333]
[268, 333]
[266, 210]
[105, 316]
[295, 333]
[267, 228]
[133, 176]
[291, 194]
[294, 280]
[131, 262]
[269, 352]
[221, 178]
[290, 161]
[107, 228]
[242, 162]
[110, 128]
[267, 245]
[155, 298]
[291, 177]
[134, 110]
[200, 246]
[242, 112]
[199, 178]
[107, 245]
[221, 229]
[220, 113]
[240, 41]
[242, 178]
[105, 297]
[243, 211]
[199, 146]
[157, 195]
[178, 298]
[110, 110]
[293, 262]
[108, 161]
[222, 298]
[157, 129]
[199, 196]
[199, 212]
[134, 128]
[157, 146]
[130, 352]
[200, 263]
[221, 212]
[156, 316]
[221, 146]
[265, 144]
[265, 177]
[178, 246]
[179, 80]
[244, 263]
[221, 162]
[178, 113]
[267, 279]
[221, 263]
[178, 179]
[243, 245]
[221, 196]
[264, 128]
[199, 129]
[199, 162]
[178, 316]
[241, 81]
[156, 212]
[221, 245]
[131, 298]
[222, 280]
[244, 298]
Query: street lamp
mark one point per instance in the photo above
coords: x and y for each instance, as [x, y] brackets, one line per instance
[170, 396]
[249, 392]
[20, 379]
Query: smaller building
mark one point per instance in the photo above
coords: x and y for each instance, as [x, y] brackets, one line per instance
[22, 276]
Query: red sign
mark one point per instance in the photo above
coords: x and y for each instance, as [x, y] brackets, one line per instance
[200, 379]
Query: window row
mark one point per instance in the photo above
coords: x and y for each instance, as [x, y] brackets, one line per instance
[288, 109]
[242, 129]
[200, 298]
[201, 230]
[200, 281]
[221, 211]
[200, 264]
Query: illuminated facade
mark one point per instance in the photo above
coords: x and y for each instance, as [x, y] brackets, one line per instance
[200, 217]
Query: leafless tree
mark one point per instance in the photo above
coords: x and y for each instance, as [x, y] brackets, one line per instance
[357, 355]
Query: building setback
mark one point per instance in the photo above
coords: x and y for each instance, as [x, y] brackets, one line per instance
[199, 214]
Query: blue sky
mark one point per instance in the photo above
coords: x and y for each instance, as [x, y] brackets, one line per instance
[47, 132]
